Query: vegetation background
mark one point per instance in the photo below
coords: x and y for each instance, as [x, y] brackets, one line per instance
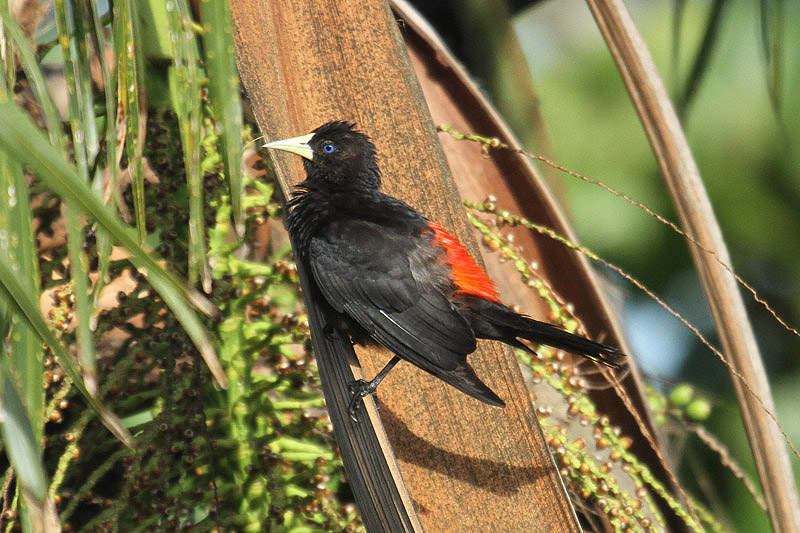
[742, 118]
[261, 452]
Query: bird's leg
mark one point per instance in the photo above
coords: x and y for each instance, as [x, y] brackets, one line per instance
[361, 388]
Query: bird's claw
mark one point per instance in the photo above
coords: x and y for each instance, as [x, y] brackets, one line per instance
[358, 389]
[354, 408]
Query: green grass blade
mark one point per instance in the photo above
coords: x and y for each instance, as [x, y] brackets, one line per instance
[21, 445]
[75, 51]
[21, 367]
[185, 91]
[74, 86]
[127, 57]
[33, 74]
[83, 79]
[702, 56]
[26, 306]
[18, 246]
[104, 249]
[224, 95]
[19, 136]
[103, 238]
[772, 17]
[9, 70]
[79, 274]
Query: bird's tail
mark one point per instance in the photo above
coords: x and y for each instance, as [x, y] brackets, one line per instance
[493, 320]
[463, 378]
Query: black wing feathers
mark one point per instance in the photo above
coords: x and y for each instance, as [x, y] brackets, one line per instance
[373, 284]
[365, 271]
[391, 273]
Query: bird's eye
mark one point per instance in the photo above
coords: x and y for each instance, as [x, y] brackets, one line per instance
[328, 148]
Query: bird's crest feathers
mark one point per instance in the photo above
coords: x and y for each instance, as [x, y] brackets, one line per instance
[336, 126]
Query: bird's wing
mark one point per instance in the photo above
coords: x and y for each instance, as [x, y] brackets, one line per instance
[364, 271]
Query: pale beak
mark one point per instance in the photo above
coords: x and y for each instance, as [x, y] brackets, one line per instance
[296, 145]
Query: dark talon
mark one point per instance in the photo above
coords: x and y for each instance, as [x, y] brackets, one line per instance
[358, 389]
[361, 388]
[354, 407]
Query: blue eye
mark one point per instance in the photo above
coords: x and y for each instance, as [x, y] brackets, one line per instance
[328, 148]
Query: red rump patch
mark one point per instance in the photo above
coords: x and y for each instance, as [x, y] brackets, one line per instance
[468, 276]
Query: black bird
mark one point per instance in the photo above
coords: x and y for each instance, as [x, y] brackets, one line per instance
[396, 277]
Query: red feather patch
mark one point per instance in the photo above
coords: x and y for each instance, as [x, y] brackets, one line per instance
[468, 276]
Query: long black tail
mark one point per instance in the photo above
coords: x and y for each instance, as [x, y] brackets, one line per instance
[463, 378]
[491, 320]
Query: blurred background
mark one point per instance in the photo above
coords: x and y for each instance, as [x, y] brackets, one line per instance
[733, 71]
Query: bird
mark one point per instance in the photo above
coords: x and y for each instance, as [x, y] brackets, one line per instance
[393, 277]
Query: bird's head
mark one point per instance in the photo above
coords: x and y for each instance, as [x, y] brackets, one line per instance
[335, 155]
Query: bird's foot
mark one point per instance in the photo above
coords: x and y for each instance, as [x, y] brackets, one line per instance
[359, 389]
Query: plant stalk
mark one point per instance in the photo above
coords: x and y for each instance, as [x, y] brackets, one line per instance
[697, 218]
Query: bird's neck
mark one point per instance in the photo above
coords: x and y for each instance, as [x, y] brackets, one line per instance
[311, 210]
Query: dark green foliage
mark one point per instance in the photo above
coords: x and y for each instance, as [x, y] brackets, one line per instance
[258, 456]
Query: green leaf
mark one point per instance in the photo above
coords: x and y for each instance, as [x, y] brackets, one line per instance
[73, 39]
[20, 136]
[300, 450]
[111, 149]
[126, 53]
[224, 95]
[33, 74]
[26, 306]
[21, 445]
[185, 91]
[17, 245]
[138, 419]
